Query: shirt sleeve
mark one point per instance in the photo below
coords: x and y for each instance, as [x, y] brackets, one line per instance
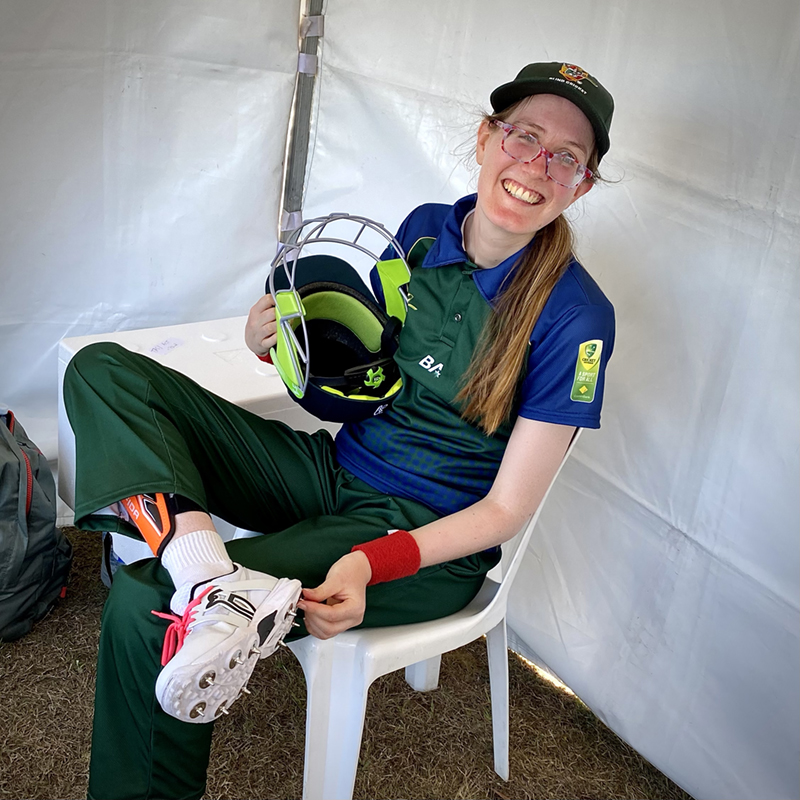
[566, 368]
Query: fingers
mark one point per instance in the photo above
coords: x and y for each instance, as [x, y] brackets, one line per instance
[317, 595]
[324, 621]
[338, 603]
[263, 303]
[260, 332]
[332, 612]
[330, 609]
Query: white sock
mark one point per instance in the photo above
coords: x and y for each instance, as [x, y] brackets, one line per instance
[191, 559]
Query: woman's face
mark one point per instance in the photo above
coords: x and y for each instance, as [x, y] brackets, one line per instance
[519, 199]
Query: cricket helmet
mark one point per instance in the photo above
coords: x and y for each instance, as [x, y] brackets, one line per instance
[336, 343]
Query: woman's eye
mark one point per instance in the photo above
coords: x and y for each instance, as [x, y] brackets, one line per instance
[567, 158]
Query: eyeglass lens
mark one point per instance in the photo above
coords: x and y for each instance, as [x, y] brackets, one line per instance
[525, 147]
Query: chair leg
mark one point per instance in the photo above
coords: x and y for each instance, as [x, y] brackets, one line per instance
[424, 675]
[497, 650]
[336, 701]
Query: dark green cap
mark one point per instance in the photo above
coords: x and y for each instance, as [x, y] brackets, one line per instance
[565, 80]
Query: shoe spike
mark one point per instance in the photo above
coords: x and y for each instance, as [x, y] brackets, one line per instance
[225, 711]
[207, 680]
[254, 651]
[245, 690]
[295, 624]
[238, 661]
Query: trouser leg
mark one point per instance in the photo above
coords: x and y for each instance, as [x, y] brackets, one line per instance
[307, 550]
[140, 427]
[138, 751]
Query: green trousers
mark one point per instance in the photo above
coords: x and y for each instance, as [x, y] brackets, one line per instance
[140, 427]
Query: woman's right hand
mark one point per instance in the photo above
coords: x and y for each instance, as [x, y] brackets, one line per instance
[260, 332]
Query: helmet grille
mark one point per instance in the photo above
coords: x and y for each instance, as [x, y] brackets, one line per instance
[344, 369]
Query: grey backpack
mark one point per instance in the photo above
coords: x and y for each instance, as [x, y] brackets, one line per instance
[35, 555]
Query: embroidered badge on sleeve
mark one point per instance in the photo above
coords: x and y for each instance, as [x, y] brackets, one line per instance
[587, 369]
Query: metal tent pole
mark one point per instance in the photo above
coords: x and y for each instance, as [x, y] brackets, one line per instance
[311, 30]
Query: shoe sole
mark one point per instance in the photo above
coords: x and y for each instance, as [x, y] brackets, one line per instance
[204, 690]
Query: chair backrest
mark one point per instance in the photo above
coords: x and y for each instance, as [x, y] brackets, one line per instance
[514, 549]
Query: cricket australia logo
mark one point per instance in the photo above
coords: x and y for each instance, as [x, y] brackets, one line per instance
[589, 359]
[429, 363]
[587, 371]
[232, 601]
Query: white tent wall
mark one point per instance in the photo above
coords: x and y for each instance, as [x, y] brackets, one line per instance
[663, 583]
[140, 172]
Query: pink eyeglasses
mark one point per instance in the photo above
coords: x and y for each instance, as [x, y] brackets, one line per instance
[524, 147]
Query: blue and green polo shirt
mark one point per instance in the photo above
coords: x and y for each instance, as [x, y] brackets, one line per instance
[419, 447]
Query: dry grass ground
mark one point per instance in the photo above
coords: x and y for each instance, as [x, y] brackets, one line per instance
[434, 745]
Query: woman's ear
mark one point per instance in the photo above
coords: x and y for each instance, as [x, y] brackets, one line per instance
[580, 191]
[484, 130]
[583, 189]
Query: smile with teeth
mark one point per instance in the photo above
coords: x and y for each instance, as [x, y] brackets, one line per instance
[521, 193]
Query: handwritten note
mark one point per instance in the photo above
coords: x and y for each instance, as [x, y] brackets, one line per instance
[162, 348]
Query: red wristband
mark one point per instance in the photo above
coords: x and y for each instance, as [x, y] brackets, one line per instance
[391, 557]
[266, 358]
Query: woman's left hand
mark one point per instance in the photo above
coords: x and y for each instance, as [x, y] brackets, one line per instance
[339, 602]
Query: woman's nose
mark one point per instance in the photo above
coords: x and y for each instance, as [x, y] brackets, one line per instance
[538, 167]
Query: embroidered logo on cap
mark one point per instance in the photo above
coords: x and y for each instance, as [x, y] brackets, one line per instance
[574, 73]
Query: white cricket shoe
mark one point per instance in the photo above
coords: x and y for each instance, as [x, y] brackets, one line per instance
[210, 652]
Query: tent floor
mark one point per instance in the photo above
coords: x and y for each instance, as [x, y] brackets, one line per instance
[417, 745]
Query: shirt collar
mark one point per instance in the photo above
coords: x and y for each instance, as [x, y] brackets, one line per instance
[449, 249]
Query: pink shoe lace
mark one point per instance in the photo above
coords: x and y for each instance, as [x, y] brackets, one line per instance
[179, 627]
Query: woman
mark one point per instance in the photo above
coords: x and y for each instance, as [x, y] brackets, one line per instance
[502, 355]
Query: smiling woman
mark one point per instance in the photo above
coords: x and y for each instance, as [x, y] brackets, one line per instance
[502, 355]
[516, 197]
[523, 190]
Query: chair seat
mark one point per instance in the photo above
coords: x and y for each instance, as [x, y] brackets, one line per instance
[385, 650]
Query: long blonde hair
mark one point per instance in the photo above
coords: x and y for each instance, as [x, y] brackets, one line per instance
[491, 381]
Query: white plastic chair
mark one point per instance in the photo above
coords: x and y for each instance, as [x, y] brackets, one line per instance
[339, 672]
